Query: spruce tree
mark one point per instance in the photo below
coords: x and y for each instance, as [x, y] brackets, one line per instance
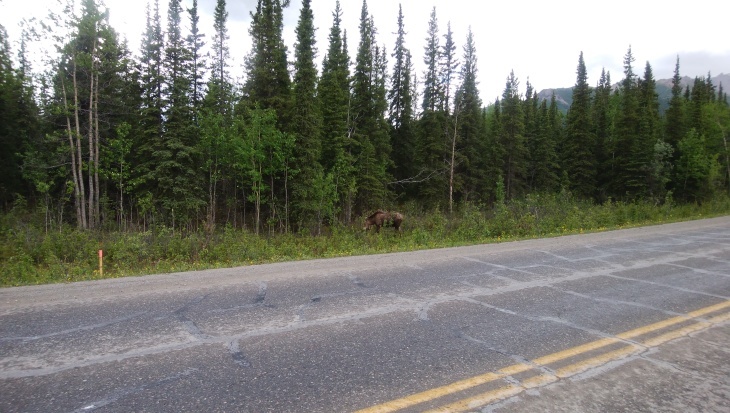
[494, 154]
[577, 151]
[432, 93]
[448, 65]
[674, 116]
[400, 113]
[468, 141]
[646, 150]
[220, 88]
[556, 131]
[543, 155]
[333, 91]
[701, 94]
[602, 120]
[368, 126]
[513, 139]
[627, 182]
[149, 140]
[216, 120]
[381, 134]
[178, 191]
[717, 123]
[12, 140]
[268, 86]
[118, 103]
[124, 96]
[31, 144]
[711, 88]
[195, 45]
[268, 83]
[531, 112]
[306, 122]
[434, 145]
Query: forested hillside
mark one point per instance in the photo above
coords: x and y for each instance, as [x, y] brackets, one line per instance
[663, 89]
[128, 137]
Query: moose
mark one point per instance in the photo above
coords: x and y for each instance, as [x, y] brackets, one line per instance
[381, 218]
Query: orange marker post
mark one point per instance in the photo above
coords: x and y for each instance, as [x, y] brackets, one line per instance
[101, 263]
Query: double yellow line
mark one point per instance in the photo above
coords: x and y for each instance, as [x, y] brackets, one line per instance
[627, 338]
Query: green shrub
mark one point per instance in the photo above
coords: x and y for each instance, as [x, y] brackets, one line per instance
[31, 254]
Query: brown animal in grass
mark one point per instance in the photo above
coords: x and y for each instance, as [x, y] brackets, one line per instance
[381, 218]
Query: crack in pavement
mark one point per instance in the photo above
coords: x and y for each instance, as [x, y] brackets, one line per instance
[189, 324]
[237, 355]
[89, 327]
[258, 301]
[701, 271]
[121, 393]
[613, 301]
[673, 287]
[355, 280]
[516, 357]
[261, 296]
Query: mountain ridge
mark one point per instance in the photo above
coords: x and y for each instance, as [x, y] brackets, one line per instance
[564, 95]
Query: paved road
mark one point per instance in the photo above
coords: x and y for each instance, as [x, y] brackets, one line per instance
[631, 320]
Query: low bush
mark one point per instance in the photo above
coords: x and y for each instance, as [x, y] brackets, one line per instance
[33, 254]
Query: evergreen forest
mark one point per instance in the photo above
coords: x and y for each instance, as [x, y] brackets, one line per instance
[166, 134]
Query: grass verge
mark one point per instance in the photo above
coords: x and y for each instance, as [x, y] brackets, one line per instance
[30, 255]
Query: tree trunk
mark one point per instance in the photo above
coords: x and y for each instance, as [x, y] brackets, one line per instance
[97, 144]
[79, 165]
[286, 197]
[451, 172]
[72, 148]
[92, 165]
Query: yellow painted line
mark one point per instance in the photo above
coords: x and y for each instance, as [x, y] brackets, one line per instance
[672, 321]
[488, 397]
[479, 400]
[574, 351]
[720, 318]
[652, 327]
[455, 387]
[710, 309]
[538, 381]
[432, 394]
[587, 364]
[494, 395]
[514, 369]
[655, 341]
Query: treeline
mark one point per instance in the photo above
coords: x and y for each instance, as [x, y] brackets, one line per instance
[106, 139]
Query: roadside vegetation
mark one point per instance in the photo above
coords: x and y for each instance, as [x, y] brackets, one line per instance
[168, 158]
[31, 253]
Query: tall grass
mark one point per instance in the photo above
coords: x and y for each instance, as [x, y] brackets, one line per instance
[31, 255]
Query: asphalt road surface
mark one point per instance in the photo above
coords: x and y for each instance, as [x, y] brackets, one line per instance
[635, 320]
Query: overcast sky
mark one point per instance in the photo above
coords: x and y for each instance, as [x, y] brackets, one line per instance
[539, 40]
